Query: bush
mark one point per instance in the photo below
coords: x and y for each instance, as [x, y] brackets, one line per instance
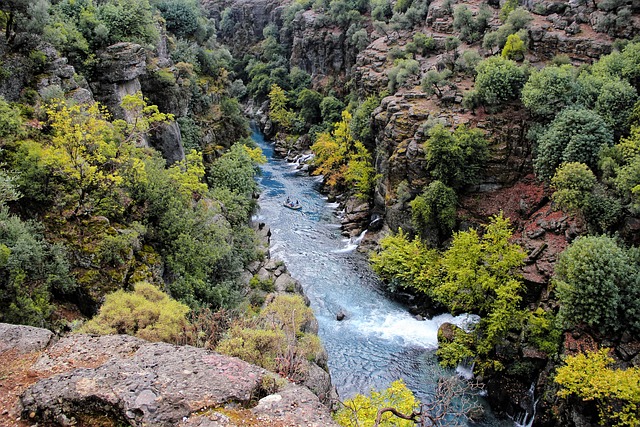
[499, 80]
[31, 269]
[275, 339]
[146, 313]
[576, 135]
[616, 392]
[435, 208]
[573, 183]
[598, 283]
[401, 73]
[455, 158]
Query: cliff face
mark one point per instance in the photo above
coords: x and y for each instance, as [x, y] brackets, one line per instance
[583, 31]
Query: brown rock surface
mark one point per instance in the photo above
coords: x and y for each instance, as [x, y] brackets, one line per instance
[83, 378]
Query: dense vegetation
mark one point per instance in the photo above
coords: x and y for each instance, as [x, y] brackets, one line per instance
[89, 213]
[86, 210]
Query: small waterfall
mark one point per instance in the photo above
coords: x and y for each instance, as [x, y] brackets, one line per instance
[465, 369]
[351, 243]
[525, 419]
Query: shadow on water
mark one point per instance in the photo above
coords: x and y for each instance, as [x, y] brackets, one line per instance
[378, 341]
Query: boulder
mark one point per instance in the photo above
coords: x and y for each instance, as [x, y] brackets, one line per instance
[23, 339]
[121, 62]
[140, 383]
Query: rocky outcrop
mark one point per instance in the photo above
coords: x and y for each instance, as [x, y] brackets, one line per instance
[85, 378]
[319, 49]
[23, 339]
[245, 21]
[118, 74]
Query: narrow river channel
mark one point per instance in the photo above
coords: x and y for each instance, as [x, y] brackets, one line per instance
[378, 341]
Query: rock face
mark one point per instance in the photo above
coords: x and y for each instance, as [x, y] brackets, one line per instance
[140, 383]
[320, 50]
[246, 21]
[118, 72]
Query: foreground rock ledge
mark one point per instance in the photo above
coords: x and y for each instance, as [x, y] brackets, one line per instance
[132, 381]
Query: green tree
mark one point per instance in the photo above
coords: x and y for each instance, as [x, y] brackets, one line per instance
[499, 80]
[278, 111]
[405, 263]
[506, 9]
[471, 28]
[331, 109]
[181, 16]
[435, 208]
[128, 20]
[455, 158]
[597, 283]
[31, 269]
[516, 23]
[400, 74]
[479, 276]
[575, 135]
[308, 103]
[549, 90]
[573, 183]
[435, 82]
[361, 122]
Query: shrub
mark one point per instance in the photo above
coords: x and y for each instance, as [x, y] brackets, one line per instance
[146, 313]
[597, 284]
[616, 392]
[543, 331]
[499, 80]
[573, 182]
[275, 339]
[435, 208]
[576, 135]
[10, 120]
[455, 158]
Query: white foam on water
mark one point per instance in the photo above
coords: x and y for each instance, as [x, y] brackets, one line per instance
[403, 326]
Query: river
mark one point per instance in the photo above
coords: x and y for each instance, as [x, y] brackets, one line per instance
[378, 341]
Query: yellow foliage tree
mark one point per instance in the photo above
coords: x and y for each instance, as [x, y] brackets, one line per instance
[615, 391]
[83, 153]
[343, 160]
[189, 174]
[278, 111]
[362, 411]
